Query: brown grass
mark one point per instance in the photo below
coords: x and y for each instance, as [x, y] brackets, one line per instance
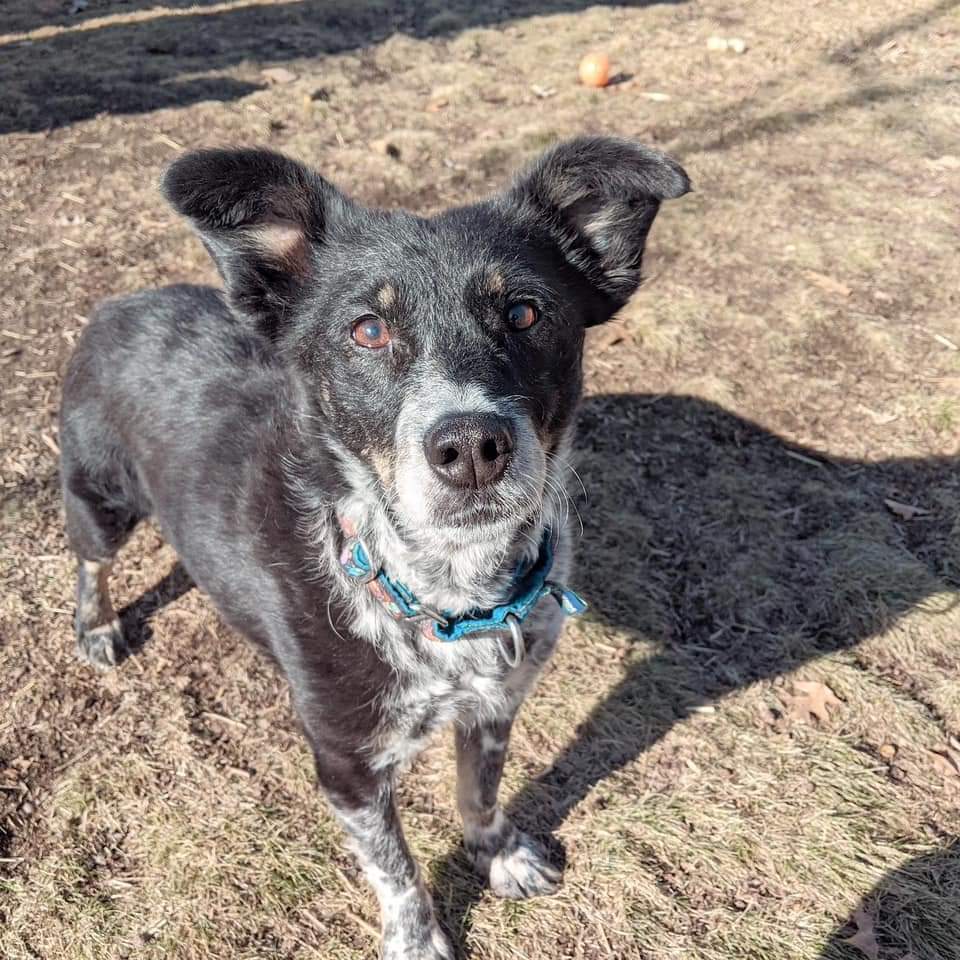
[798, 303]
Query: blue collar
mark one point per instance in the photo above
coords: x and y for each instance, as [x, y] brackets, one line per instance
[529, 585]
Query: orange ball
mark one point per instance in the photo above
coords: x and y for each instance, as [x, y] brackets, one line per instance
[595, 70]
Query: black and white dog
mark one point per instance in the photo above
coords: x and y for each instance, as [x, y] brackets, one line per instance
[359, 451]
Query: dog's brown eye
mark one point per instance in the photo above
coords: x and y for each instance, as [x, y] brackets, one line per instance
[522, 316]
[370, 332]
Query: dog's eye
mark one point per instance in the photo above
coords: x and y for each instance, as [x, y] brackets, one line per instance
[522, 316]
[370, 332]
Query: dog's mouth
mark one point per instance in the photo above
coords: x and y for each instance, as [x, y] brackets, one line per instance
[469, 466]
[426, 499]
[494, 513]
[482, 516]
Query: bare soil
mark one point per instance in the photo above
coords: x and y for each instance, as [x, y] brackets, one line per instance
[751, 748]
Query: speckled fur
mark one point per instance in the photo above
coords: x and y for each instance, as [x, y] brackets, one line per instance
[252, 425]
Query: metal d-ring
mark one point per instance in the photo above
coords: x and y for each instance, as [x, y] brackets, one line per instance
[519, 647]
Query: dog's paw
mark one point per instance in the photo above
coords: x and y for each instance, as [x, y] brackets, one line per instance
[521, 870]
[429, 943]
[102, 647]
[410, 928]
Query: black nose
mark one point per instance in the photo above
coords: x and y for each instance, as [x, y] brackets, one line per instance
[469, 450]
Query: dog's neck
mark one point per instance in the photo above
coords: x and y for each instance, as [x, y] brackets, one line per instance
[454, 569]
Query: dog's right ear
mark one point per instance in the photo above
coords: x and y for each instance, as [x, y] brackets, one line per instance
[262, 217]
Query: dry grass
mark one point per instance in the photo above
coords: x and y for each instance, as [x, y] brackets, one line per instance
[798, 305]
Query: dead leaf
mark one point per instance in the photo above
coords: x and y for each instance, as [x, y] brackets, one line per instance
[278, 75]
[810, 698]
[904, 510]
[828, 283]
[865, 939]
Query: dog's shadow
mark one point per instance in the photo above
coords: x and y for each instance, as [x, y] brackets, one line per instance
[733, 556]
[136, 618]
[730, 553]
[912, 912]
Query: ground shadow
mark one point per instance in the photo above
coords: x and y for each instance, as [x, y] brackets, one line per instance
[914, 20]
[732, 556]
[20, 16]
[912, 912]
[172, 59]
[136, 618]
[786, 121]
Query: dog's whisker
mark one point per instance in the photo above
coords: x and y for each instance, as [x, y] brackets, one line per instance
[563, 462]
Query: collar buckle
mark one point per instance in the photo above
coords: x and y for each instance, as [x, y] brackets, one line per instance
[357, 560]
[423, 611]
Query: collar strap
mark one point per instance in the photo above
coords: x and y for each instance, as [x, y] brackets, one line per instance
[530, 584]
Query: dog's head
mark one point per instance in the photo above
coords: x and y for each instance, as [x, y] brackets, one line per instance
[439, 356]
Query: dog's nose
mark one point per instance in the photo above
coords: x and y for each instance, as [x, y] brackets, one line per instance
[469, 450]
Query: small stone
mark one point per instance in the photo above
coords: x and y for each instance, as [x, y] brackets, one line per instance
[888, 751]
[733, 44]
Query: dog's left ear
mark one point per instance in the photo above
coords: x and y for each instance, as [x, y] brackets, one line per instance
[263, 219]
[598, 197]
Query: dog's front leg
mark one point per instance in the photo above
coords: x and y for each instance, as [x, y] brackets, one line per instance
[364, 802]
[514, 864]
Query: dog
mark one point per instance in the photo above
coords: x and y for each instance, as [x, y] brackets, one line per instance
[359, 449]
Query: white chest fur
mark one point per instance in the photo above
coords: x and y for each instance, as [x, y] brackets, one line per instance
[464, 682]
